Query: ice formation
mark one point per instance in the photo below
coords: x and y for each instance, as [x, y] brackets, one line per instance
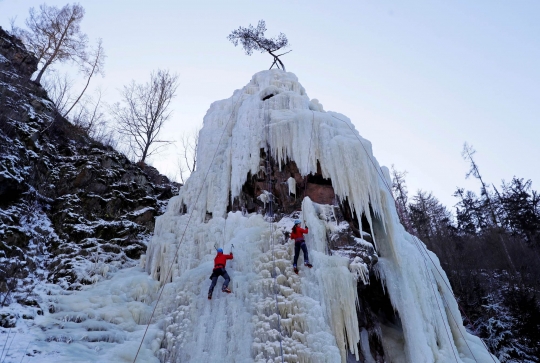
[292, 185]
[317, 319]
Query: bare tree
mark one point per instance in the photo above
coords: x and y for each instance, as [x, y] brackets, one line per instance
[399, 189]
[253, 38]
[87, 111]
[90, 117]
[467, 154]
[58, 86]
[55, 35]
[143, 112]
[187, 159]
[90, 67]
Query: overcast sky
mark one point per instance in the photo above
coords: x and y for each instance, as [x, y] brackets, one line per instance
[417, 78]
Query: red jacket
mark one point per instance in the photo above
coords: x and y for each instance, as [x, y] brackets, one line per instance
[221, 260]
[297, 233]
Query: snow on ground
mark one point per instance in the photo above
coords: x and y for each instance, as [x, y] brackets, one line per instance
[101, 323]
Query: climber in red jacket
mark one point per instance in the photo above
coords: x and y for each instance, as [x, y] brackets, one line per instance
[297, 234]
[219, 270]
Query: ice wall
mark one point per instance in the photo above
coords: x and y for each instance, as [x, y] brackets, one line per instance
[317, 309]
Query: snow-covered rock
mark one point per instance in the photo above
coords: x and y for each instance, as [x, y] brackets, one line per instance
[73, 212]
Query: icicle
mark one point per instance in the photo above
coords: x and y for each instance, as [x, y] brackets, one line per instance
[360, 270]
[265, 197]
[364, 343]
[291, 182]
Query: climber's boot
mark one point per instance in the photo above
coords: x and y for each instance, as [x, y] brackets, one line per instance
[227, 290]
[295, 269]
[308, 264]
[209, 296]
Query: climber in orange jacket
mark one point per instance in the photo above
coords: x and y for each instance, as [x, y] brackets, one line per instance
[297, 234]
[219, 270]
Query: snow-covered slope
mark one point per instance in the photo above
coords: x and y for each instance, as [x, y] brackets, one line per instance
[313, 314]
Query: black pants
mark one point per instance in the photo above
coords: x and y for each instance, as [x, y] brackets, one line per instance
[217, 273]
[297, 247]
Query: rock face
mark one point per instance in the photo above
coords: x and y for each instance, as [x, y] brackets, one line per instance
[14, 52]
[71, 209]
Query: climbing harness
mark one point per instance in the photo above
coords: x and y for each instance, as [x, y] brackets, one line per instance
[185, 229]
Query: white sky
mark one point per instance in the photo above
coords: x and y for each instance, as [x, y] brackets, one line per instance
[418, 79]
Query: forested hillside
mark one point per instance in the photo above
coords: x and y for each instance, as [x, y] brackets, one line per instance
[489, 245]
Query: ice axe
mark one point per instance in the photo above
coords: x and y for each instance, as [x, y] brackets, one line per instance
[232, 246]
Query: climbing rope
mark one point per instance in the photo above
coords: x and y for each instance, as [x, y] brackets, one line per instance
[185, 229]
[270, 215]
[417, 243]
[423, 250]
[440, 311]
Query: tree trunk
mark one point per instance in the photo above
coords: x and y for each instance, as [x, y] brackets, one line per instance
[80, 96]
[40, 74]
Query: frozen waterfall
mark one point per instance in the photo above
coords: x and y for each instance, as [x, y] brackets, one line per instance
[318, 308]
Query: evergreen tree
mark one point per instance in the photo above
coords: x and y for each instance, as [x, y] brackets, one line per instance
[252, 38]
[429, 217]
[471, 215]
[497, 327]
[523, 306]
[479, 247]
[521, 208]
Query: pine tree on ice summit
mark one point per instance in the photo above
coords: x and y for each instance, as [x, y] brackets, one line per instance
[253, 39]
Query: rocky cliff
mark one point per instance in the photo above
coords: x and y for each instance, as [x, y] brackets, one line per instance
[71, 209]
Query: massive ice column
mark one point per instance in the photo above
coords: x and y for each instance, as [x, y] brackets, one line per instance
[311, 317]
